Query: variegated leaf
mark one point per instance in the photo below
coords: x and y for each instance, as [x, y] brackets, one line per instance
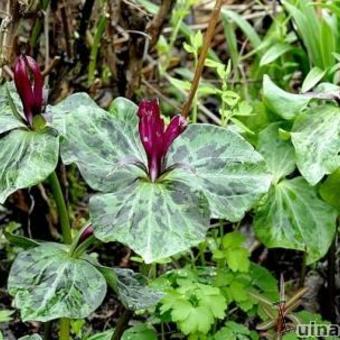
[48, 284]
[8, 120]
[156, 220]
[278, 154]
[104, 145]
[293, 217]
[26, 159]
[131, 287]
[133, 291]
[316, 139]
[223, 165]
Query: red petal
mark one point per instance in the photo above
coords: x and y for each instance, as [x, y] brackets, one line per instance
[38, 84]
[23, 85]
[175, 128]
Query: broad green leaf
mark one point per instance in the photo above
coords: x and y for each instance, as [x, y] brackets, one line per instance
[156, 220]
[316, 139]
[278, 154]
[286, 105]
[313, 77]
[274, 52]
[8, 120]
[223, 165]
[140, 332]
[104, 145]
[48, 284]
[330, 189]
[293, 217]
[26, 159]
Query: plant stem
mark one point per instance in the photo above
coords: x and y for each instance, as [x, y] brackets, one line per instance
[82, 247]
[331, 286]
[61, 207]
[64, 330]
[122, 324]
[303, 270]
[207, 39]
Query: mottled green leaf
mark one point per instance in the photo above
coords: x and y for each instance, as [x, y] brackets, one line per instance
[156, 220]
[140, 332]
[26, 159]
[8, 120]
[285, 104]
[104, 145]
[223, 165]
[48, 284]
[278, 154]
[316, 139]
[133, 291]
[293, 217]
[132, 288]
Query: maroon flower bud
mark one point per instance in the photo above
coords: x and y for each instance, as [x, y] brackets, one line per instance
[155, 138]
[29, 83]
[86, 233]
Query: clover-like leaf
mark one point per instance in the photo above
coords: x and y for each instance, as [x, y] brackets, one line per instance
[104, 145]
[293, 217]
[156, 220]
[48, 284]
[26, 158]
[194, 306]
[223, 165]
[316, 139]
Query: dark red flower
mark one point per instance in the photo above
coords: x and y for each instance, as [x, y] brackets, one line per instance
[29, 83]
[86, 233]
[155, 138]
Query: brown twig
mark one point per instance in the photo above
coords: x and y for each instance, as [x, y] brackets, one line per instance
[200, 65]
[155, 26]
[50, 66]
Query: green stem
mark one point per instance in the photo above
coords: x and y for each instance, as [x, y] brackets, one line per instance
[64, 330]
[82, 247]
[61, 207]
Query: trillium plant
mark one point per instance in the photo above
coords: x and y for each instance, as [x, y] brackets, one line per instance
[157, 187]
